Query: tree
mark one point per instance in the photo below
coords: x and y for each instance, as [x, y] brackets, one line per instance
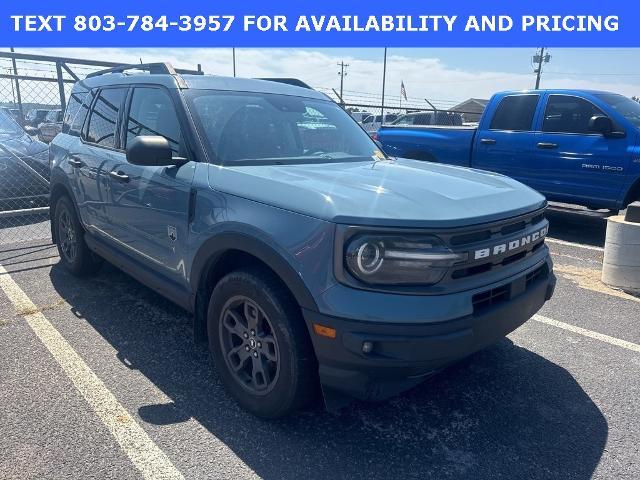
[636, 99]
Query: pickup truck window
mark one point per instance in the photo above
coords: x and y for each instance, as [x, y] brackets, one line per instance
[623, 105]
[104, 116]
[260, 128]
[152, 113]
[515, 113]
[568, 114]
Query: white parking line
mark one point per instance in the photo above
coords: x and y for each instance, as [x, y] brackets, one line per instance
[589, 333]
[134, 441]
[571, 244]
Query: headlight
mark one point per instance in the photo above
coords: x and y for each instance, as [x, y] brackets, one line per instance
[399, 259]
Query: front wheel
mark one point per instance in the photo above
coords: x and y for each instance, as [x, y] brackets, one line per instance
[260, 345]
[74, 252]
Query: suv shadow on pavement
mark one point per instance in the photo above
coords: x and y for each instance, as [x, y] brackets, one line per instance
[505, 412]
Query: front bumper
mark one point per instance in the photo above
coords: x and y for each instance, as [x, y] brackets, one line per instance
[404, 354]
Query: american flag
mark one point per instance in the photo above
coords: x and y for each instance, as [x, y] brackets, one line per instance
[403, 91]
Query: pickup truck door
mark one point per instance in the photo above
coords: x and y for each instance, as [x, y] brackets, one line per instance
[574, 164]
[149, 206]
[505, 138]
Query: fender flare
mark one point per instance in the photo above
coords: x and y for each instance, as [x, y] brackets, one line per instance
[220, 243]
[57, 180]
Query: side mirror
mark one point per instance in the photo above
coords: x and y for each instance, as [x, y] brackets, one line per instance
[29, 130]
[600, 124]
[152, 151]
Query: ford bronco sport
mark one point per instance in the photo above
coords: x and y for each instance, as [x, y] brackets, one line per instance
[306, 256]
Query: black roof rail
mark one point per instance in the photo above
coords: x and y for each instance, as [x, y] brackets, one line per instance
[160, 68]
[289, 81]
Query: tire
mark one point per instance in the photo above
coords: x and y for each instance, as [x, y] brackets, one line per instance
[74, 252]
[269, 369]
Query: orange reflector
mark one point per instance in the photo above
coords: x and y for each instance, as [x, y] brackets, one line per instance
[324, 331]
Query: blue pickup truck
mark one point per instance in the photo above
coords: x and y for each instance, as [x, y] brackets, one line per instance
[573, 146]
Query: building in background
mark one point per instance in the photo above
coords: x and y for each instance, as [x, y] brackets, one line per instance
[471, 109]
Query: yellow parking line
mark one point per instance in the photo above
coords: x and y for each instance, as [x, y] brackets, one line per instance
[589, 333]
[134, 441]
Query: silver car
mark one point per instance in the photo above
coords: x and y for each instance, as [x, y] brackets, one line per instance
[51, 126]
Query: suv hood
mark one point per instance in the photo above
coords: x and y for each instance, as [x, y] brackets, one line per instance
[398, 193]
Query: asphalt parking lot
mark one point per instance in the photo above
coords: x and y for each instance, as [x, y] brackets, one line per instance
[99, 378]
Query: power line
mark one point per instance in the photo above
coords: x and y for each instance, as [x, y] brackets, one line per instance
[579, 74]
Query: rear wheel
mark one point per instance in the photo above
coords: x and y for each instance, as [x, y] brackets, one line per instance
[74, 252]
[260, 345]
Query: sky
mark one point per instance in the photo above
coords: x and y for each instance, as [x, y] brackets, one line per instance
[443, 76]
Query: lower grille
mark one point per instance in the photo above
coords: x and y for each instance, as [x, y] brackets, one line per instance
[490, 298]
[485, 300]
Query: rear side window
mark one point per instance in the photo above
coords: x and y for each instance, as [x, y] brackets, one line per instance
[152, 113]
[73, 107]
[75, 122]
[405, 120]
[515, 112]
[104, 117]
[567, 114]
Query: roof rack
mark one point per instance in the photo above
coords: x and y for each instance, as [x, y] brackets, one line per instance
[289, 81]
[160, 68]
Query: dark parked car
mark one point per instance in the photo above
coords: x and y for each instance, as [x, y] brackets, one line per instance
[24, 168]
[51, 126]
[12, 112]
[429, 118]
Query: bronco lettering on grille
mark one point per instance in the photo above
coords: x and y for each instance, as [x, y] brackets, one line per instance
[510, 246]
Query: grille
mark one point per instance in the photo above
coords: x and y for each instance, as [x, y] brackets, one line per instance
[490, 298]
[470, 241]
[483, 301]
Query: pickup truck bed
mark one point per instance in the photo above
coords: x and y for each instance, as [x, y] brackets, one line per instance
[429, 143]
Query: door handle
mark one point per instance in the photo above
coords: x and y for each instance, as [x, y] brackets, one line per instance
[119, 176]
[488, 141]
[74, 162]
[547, 145]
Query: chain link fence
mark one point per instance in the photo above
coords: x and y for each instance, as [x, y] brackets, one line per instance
[33, 95]
[371, 112]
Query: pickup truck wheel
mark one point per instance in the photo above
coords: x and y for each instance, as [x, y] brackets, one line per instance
[259, 344]
[73, 250]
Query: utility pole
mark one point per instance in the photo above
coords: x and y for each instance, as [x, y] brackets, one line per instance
[540, 58]
[343, 66]
[384, 79]
[233, 51]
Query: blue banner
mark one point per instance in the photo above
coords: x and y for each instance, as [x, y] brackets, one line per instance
[329, 23]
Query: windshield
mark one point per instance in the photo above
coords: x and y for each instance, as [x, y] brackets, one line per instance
[624, 106]
[8, 126]
[264, 128]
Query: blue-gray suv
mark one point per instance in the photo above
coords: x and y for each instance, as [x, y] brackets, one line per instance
[305, 254]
